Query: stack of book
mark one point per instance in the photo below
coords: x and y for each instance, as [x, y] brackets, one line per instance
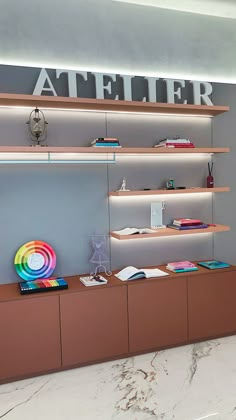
[181, 266]
[185, 224]
[105, 142]
[175, 143]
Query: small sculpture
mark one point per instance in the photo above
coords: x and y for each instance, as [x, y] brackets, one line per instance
[99, 257]
[37, 127]
[123, 186]
[170, 184]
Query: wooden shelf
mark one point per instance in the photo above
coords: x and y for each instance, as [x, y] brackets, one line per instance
[172, 232]
[167, 192]
[122, 150]
[111, 105]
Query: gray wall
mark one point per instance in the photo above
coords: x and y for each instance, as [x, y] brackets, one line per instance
[65, 204]
[110, 36]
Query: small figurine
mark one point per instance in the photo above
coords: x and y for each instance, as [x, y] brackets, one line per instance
[123, 186]
[170, 185]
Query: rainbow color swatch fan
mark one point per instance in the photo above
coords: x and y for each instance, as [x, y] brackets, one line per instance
[35, 260]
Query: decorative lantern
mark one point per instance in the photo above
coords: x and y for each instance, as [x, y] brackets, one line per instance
[37, 127]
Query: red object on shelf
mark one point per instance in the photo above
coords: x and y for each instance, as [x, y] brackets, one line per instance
[210, 181]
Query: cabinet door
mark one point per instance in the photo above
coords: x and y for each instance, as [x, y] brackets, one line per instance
[157, 313]
[94, 325]
[212, 304]
[30, 336]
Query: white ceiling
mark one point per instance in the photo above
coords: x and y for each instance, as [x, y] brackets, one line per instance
[220, 8]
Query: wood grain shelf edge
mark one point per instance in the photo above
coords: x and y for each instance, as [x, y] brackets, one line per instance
[167, 192]
[171, 232]
[109, 150]
[8, 99]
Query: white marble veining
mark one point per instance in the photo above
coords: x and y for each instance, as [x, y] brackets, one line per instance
[192, 382]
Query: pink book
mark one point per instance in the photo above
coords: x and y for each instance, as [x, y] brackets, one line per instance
[187, 221]
[180, 144]
[181, 264]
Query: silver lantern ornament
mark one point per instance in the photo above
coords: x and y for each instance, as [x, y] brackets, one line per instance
[37, 127]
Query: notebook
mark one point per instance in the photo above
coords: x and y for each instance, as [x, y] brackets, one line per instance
[213, 264]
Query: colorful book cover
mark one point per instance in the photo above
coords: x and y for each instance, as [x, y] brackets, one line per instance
[188, 221]
[186, 270]
[213, 264]
[180, 265]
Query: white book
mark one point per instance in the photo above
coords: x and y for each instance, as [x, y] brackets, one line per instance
[133, 273]
[90, 281]
[132, 231]
[175, 141]
[172, 141]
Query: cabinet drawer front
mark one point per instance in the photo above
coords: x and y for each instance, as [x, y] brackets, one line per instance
[94, 325]
[157, 313]
[30, 336]
[212, 304]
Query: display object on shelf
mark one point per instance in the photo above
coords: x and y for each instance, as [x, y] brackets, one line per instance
[99, 257]
[213, 264]
[133, 273]
[105, 142]
[170, 184]
[42, 285]
[210, 179]
[37, 125]
[96, 280]
[35, 260]
[123, 186]
[186, 224]
[181, 266]
[176, 142]
[157, 214]
[134, 231]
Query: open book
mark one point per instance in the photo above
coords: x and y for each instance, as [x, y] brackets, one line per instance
[133, 231]
[132, 273]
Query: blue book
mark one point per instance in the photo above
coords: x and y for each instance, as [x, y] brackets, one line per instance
[202, 226]
[185, 270]
[106, 145]
[213, 264]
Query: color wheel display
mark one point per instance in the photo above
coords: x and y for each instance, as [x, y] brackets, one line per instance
[35, 260]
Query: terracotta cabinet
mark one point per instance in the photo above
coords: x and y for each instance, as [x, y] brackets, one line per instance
[212, 304]
[157, 313]
[94, 325]
[30, 336]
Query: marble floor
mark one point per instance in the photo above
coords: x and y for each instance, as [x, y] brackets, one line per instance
[192, 382]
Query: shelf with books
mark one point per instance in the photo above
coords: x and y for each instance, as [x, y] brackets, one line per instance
[171, 232]
[117, 150]
[109, 105]
[195, 190]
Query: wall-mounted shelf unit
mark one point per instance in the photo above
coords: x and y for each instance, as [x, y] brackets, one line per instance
[167, 192]
[50, 154]
[172, 232]
[109, 105]
[73, 155]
